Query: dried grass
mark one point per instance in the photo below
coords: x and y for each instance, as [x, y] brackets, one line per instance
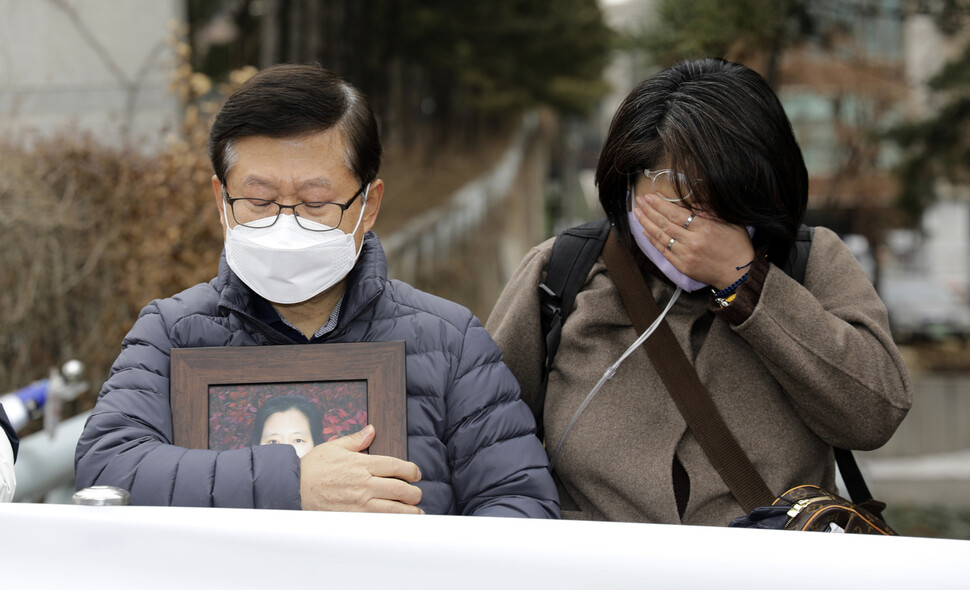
[89, 234]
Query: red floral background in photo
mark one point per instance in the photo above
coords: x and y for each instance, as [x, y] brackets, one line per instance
[232, 408]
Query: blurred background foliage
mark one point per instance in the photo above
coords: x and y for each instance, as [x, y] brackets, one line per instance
[428, 66]
[760, 32]
[746, 30]
[937, 147]
[91, 231]
[449, 82]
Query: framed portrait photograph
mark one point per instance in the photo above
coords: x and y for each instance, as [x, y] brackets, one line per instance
[235, 397]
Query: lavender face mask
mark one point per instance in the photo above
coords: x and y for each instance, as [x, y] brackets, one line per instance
[670, 271]
[680, 279]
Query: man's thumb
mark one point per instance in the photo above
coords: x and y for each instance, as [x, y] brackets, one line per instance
[357, 441]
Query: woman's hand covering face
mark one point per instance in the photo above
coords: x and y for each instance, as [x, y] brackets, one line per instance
[703, 248]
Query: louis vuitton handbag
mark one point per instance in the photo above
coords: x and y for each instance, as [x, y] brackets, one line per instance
[805, 507]
[811, 508]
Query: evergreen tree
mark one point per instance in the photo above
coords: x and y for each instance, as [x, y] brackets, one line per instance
[449, 65]
[937, 148]
[743, 30]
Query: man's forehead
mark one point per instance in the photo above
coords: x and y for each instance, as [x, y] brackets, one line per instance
[275, 180]
[329, 140]
[312, 160]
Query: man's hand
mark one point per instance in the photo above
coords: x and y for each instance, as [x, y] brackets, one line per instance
[337, 476]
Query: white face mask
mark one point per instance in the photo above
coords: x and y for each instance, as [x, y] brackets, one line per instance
[285, 263]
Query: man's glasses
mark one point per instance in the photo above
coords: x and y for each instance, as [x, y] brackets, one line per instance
[260, 213]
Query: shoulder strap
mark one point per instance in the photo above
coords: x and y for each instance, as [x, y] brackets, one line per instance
[573, 254]
[798, 257]
[683, 384]
[855, 483]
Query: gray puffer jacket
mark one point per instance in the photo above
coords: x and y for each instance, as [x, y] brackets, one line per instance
[468, 431]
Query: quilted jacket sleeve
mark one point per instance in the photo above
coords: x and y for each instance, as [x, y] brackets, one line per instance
[127, 441]
[499, 466]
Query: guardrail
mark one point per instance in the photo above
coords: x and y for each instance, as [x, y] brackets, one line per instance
[425, 241]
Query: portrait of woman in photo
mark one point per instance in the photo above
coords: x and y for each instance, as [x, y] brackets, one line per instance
[335, 408]
[289, 420]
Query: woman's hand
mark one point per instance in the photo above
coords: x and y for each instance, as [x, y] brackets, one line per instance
[703, 247]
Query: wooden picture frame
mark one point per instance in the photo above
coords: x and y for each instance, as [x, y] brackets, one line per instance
[194, 371]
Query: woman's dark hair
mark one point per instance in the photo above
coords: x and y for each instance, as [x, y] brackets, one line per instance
[284, 403]
[292, 101]
[719, 122]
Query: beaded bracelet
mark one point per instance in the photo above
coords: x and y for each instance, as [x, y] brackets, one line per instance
[726, 301]
[730, 288]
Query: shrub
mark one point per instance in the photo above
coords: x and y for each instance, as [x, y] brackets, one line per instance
[90, 233]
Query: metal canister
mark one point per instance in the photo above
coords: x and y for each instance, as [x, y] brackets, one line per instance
[101, 496]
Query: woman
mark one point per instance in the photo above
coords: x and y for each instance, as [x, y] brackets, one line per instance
[704, 183]
[289, 420]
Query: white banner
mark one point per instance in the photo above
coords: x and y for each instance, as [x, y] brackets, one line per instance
[78, 547]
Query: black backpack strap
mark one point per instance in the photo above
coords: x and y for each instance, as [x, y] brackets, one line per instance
[798, 256]
[573, 254]
[855, 483]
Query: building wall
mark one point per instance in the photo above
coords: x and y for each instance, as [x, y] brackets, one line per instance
[98, 65]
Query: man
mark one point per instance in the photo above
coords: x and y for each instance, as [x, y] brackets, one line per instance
[296, 155]
[8, 454]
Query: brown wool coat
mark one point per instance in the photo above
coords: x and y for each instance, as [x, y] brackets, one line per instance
[806, 368]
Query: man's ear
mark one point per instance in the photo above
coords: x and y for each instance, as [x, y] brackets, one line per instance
[220, 201]
[374, 196]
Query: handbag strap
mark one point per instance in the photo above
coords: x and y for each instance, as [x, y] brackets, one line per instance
[855, 483]
[682, 383]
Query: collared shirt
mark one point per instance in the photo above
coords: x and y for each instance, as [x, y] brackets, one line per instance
[266, 313]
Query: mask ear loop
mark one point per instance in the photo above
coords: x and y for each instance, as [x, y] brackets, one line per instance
[609, 374]
[225, 198]
[359, 219]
